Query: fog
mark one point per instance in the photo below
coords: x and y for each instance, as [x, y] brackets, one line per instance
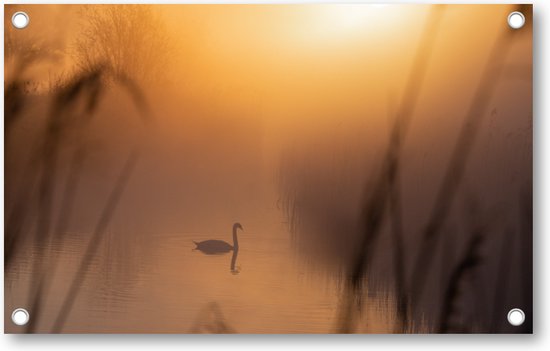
[280, 118]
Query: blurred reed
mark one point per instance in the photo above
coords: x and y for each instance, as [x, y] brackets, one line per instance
[385, 190]
[210, 320]
[73, 105]
[382, 201]
[95, 241]
[380, 193]
[452, 178]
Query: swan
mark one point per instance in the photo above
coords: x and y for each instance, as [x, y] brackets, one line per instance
[214, 247]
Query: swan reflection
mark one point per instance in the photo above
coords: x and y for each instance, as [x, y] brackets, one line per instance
[218, 247]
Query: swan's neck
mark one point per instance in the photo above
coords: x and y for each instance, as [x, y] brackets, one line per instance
[235, 241]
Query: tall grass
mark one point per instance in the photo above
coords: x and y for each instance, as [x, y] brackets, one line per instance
[95, 241]
[452, 178]
[382, 210]
[384, 188]
[73, 106]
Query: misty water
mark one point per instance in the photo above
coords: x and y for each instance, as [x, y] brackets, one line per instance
[156, 283]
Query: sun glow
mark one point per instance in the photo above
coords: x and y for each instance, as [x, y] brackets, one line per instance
[337, 19]
[350, 15]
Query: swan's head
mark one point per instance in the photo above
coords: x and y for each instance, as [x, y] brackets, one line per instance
[237, 226]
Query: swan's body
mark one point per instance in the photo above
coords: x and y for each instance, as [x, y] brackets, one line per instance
[212, 247]
[216, 247]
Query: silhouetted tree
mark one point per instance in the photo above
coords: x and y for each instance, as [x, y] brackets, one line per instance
[131, 39]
